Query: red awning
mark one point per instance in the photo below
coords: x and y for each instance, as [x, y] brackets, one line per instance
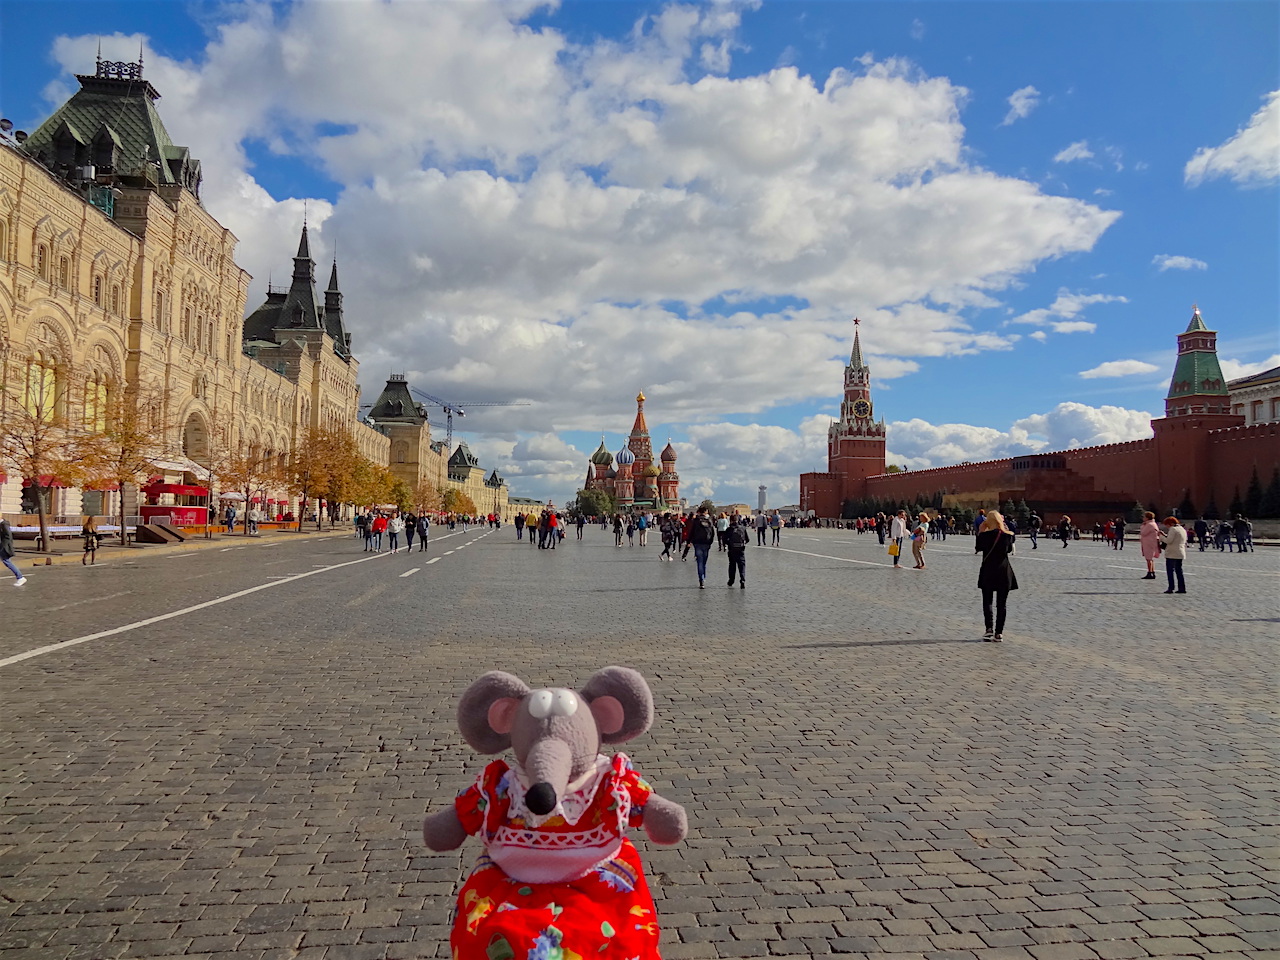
[180, 489]
[45, 481]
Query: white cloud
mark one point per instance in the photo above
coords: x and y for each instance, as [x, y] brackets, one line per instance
[1235, 369]
[1119, 368]
[1061, 315]
[920, 445]
[1250, 158]
[1021, 103]
[917, 29]
[525, 216]
[1076, 151]
[1165, 262]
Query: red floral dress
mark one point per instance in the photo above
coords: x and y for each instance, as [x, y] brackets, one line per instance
[563, 886]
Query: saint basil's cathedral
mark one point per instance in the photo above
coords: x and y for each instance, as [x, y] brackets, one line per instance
[632, 477]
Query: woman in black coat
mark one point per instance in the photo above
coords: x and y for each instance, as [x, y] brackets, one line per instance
[996, 577]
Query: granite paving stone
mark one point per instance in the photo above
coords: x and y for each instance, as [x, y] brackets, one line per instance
[864, 777]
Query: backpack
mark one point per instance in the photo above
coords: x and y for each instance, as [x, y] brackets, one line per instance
[708, 529]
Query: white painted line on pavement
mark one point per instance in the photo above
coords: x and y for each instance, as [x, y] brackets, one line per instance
[447, 553]
[820, 556]
[410, 573]
[76, 603]
[180, 556]
[433, 560]
[52, 647]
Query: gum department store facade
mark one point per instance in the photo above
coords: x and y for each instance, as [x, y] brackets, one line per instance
[113, 272]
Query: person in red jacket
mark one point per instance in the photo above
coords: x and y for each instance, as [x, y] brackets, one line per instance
[379, 528]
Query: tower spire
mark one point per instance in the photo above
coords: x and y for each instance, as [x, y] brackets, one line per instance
[855, 356]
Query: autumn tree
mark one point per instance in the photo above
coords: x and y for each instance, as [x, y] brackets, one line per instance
[126, 431]
[427, 497]
[455, 501]
[39, 436]
[322, 466]
[249, 470]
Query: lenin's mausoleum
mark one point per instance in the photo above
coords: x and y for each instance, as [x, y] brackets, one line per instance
[1201, 450]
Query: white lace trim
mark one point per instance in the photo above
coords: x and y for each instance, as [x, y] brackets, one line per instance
[576, 801]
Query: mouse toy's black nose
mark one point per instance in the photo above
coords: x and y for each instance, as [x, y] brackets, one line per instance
[541, 798]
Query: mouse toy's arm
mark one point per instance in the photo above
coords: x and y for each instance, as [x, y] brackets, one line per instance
[443, 830]
[665, 820]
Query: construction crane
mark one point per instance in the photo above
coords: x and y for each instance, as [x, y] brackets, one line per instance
[451, 408]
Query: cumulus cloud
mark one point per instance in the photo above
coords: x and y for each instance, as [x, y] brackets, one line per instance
[1250, 158]
[1061, 315]
[1119, 368]
[920, 445]
[1021, 103]
[522, 215]
[1076, 151]
[1165, 262]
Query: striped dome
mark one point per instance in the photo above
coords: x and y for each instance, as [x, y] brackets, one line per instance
[652, 470]
[624, 456]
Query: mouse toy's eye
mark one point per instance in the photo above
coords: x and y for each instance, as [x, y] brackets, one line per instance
[547, 703]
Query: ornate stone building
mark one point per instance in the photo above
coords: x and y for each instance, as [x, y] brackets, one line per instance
[637, 481]
[112, 273]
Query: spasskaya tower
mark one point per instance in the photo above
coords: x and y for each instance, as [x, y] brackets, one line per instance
[855, 444]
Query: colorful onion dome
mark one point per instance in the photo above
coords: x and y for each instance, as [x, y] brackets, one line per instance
[625, 456]
[602, 454]
[652, 470]
[668, 453]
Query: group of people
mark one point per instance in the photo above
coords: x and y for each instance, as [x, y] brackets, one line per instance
[372, 525]
[545, 529]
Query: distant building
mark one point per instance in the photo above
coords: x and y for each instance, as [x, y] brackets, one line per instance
[1257, 398]
[1204, 450]
[633, 478]
[113, 275]
[762, 499]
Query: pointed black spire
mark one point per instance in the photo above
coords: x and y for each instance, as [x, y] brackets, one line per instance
[304, 247]
[333, 277]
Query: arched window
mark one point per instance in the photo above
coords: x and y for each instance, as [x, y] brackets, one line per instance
[115, 298]
[199, 333]
[64, 273]
[186, 324]
[159, 317]
[40, 392]
[97, 290]
[4, 240]
[42, 261]
[96, 393]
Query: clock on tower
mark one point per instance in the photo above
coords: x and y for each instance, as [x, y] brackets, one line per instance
[862, 409]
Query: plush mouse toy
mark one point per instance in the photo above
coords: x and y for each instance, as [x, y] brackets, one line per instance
[558, 879]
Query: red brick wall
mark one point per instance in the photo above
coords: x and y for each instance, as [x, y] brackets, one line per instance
[1233, 454]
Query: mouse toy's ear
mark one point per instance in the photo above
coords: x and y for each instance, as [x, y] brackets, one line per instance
[621, 702]
[486, 710]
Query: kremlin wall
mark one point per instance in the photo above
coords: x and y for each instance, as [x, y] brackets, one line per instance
[1201, 450]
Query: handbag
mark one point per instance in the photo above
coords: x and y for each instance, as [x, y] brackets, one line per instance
[894, 549]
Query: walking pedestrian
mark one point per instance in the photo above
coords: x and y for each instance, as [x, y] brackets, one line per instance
[631, 532]
[1202, 532]
[519, 526]
[736, 539]
[424, 532]
[367, 528]
[1064, 530]
[1149, 538]
[395, 527]
[722, 525]
[6, 553]
[1174, 539]
[1243, 531]
[918, 536]
[897, 533]
[669, 531]
[379, 528]
[995, 577]
[1119, 529]
[762, 524]
[582, 522]
[410, 531]
[617, 529]
[775, 527]
[702, 534]
[1033, 529]
[89, 530]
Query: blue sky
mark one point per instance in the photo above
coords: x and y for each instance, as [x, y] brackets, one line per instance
[566, 204]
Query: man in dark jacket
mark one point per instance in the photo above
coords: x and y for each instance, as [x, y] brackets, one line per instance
[702, 534]
[1033, 529]
[736, 539]
[1243, 530]
[1202, 533]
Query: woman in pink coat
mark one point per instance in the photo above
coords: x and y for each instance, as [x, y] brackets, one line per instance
[1149, 536]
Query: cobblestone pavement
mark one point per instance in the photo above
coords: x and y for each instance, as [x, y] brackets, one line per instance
[863, 775]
